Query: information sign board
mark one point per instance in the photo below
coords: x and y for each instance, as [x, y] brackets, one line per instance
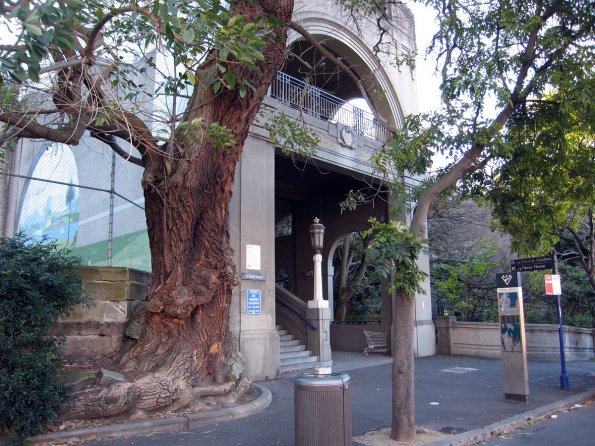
[254, 302]
[553, 285]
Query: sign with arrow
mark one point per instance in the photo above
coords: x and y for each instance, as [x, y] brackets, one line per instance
[531, 264]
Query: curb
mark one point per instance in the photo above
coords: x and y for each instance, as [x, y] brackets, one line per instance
[510, 424]
[148, 427]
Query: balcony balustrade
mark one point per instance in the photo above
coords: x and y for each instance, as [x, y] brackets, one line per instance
[323, 105]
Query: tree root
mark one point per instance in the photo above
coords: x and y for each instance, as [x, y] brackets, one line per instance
[150, 394]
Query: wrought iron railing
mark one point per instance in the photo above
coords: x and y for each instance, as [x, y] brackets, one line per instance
[313, 101]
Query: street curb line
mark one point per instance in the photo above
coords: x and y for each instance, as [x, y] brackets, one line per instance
[510, 424]
[148, 427]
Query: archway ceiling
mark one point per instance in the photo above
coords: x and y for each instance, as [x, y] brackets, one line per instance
[324, 74]
[296, 181]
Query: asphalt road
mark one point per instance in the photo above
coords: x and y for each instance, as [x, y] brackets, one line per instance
[575, 427]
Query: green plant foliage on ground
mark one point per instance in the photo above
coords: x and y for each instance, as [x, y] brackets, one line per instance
[39, 283]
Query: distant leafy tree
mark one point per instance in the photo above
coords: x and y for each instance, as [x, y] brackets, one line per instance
[578, 298]
[465, 287]
[542, 189]
[357, 287]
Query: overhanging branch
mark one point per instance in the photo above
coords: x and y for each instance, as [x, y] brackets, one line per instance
[113, 144]
[330, 56]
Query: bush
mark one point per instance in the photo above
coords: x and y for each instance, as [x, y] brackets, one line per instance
[39, 283]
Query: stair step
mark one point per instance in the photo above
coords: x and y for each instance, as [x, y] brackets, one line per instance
[305, 367]
[299, 360]
[292, 348]
[289, 343]
[281, 332]
[300, 354]
[286, 337]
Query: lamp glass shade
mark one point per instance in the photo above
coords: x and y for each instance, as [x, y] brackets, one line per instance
[317, 235]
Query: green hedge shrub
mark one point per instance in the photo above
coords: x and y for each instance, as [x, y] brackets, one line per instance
[39, 283]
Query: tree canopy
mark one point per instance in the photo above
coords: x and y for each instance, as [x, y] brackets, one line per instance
[544, 195]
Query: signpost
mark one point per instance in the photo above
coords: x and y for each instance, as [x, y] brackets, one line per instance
[512, 336]
[553, 287]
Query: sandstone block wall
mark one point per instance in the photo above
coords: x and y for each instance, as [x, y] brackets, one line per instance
[97, 330]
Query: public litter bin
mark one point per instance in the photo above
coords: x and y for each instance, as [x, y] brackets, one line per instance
[322, 403]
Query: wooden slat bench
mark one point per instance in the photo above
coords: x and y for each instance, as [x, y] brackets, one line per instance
[376, 341]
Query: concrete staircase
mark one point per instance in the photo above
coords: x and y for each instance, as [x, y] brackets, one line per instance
[294, 355]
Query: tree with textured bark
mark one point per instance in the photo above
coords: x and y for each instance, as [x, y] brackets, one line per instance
[224, 58]
[495, 58]
[77, 68]
[188, 137]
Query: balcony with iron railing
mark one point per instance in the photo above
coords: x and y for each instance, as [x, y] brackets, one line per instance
[320, 104]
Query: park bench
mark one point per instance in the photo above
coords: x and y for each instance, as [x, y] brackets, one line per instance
[376, 341]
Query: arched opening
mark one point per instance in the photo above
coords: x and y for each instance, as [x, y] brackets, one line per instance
[51, 202]
[306, 63]
[354, 289]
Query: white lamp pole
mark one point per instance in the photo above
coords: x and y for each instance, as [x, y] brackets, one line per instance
[317, 240]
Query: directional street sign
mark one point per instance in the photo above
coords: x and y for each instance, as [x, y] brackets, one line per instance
[531, 264]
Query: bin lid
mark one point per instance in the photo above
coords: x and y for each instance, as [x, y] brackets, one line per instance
[322, 382]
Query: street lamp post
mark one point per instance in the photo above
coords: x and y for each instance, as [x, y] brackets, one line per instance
[317, 240]
[318, 312]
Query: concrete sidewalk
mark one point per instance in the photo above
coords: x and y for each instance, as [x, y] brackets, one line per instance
[458, 395]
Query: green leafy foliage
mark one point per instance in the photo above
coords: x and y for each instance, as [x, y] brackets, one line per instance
[465, 287]
[220, 137]
[291, 136]
[542, 189]
[38, 285]
[38, 25]
[394, 250]
[409, 150]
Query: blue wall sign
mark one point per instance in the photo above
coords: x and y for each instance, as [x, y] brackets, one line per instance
[254, 302]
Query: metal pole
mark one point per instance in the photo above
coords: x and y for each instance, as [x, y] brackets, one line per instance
[564, 382]
[110, 230]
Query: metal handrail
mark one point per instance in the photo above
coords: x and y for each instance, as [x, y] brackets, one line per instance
[323, 105]
[297, 313]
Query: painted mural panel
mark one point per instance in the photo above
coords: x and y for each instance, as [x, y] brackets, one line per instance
[51, 208]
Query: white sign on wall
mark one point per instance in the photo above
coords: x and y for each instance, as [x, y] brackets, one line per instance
[253, 257]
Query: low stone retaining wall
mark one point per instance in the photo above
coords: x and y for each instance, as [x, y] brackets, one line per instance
[350, 338]
[483, 339]
[97, 330]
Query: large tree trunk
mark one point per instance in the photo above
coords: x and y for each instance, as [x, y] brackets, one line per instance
[186, 350]
[403, 415]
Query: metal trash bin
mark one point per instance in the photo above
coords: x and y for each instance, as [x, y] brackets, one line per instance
[322, 403]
